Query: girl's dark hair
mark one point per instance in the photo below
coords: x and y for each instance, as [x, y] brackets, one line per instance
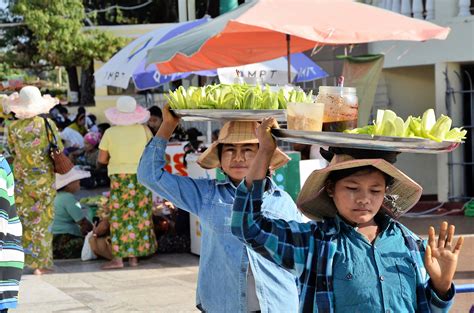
[79, 116]
[388, 156]
[336, 176]
[219, 151]
[155, 111]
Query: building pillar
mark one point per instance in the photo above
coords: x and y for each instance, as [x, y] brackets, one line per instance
[450, 182]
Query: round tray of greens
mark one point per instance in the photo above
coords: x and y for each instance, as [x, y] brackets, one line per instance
[234, 102]
[362, 141]
[390, 133]
[230, 115]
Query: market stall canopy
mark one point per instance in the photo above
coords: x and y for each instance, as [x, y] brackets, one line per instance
[262, 29]
[129, 62]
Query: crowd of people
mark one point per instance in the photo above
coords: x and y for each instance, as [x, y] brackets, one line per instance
[257, 254]
[54, 221]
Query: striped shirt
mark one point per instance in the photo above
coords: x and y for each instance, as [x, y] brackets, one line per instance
[308, 251]
[11, 250]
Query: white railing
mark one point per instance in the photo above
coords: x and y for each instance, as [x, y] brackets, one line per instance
[421, 9]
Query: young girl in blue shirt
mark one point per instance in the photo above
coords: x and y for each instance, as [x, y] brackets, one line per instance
[357, 257]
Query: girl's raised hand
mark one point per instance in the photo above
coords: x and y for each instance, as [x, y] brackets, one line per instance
[441, 257]
[264, 134]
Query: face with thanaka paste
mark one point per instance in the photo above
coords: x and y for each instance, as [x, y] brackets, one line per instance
[236, 160]
[359, 197]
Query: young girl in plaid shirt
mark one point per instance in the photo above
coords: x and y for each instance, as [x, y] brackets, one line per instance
[357, 258]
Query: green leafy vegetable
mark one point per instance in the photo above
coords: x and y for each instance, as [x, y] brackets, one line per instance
[235, 97]
[387, 123]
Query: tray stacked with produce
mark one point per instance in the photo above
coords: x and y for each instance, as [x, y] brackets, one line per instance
[234, 102]
[389, 132]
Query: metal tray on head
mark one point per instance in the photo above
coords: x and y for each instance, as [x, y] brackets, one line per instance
[398, 144]
[229, 115]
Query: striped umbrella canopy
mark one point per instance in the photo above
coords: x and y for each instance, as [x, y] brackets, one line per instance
[129, 62]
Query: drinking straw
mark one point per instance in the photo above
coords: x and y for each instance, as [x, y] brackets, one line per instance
[340, 83]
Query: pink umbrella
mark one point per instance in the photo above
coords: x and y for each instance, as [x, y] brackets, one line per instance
[261, 30]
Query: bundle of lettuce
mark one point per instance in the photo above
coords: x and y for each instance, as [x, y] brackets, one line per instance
[388, 123]
[235, 97]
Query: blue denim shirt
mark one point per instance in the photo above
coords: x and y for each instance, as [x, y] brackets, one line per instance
[224, 261]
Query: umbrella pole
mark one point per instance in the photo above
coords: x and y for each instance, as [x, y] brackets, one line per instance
[288, 57]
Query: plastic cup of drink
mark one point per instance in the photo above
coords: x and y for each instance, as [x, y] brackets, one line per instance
[305, 116]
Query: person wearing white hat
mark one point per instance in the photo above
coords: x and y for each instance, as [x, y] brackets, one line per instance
[130, 203]
[34, 173]
[70, 225]
[355, 256]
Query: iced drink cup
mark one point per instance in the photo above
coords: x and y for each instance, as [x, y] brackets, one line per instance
[341, 108]
[305, 116]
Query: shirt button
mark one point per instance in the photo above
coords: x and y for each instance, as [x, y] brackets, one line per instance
[381, 279]
[349, 276]
[242, 294]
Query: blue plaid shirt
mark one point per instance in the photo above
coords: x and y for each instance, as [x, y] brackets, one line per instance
[308, 250]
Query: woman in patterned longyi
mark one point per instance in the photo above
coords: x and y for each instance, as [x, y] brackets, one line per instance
[130, 203]
[34, 175]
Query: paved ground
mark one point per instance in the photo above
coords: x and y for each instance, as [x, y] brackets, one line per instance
[163, 283]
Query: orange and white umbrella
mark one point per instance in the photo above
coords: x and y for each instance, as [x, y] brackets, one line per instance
[267, 29]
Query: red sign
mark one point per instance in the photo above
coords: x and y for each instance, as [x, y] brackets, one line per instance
[175, 158]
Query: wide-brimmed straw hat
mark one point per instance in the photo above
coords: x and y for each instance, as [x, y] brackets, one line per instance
[237, 132]
[400, 196]
[74, 174]
[127, 112]
[29, 102]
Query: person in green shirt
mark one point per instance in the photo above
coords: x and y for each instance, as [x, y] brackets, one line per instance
[70, 225]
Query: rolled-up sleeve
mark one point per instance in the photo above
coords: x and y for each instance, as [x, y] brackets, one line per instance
[285, 243]
[184, 192]
[436, 303]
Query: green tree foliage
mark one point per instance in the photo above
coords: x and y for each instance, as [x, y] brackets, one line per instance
[57, 26]
[6, 71]
[53, 34]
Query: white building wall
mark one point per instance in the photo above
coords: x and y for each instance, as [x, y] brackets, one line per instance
[414, 74]
[411, 91]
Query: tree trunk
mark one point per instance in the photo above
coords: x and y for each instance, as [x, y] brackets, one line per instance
[73, 84]
[87, 85]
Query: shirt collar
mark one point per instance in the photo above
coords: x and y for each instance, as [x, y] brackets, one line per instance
[273, 188]
[383, 220]
[225, 181]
